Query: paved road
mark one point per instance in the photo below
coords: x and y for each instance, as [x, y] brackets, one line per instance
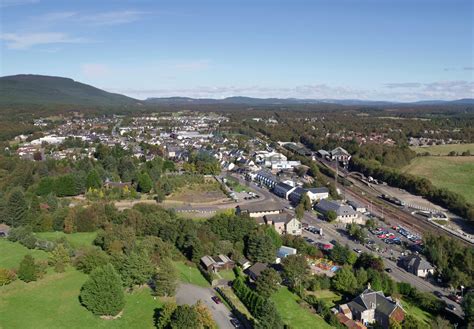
[189, 294]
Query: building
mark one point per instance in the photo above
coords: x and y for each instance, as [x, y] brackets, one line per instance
[284, 223]
[357, 206]
[340, 154]
[220, 262]
[283, 190]
[344, 213]
[259, 210]
[266, 178]
[296, 195]
[417, 265]
[373, 307]
[285, 165]
[317, 193]
[256, 270]
[285, 251]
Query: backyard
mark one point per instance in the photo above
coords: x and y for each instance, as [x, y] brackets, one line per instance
[292, 313]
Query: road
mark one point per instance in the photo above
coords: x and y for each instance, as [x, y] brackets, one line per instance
[189, 294]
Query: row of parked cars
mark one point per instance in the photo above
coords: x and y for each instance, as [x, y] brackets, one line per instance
[391, 238]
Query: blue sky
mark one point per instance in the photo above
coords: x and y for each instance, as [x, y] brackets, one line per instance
[368, 49]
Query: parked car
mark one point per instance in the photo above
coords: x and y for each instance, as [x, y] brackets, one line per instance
[216, 299]
[235, 323]
[451, 307]
[388, 270]
[357, 250]
[438, 294]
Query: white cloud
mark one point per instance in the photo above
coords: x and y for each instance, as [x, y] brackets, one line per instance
[28, 40]
[447, 90]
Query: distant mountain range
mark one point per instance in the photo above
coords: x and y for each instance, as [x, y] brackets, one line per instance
[48, 90]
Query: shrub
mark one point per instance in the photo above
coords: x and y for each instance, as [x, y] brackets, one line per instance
[6, 276]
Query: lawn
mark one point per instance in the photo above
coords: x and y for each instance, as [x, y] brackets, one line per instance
[454, 173]
[75, 239]
[52, 302]
[445, 149]
[11, 253]
[190, 274]
[227, 274]
[293, 314]
[418, 313]
[327, 295]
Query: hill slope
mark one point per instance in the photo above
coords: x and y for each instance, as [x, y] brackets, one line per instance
[40, 89]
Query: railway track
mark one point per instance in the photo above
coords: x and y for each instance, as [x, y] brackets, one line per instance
[400, 217]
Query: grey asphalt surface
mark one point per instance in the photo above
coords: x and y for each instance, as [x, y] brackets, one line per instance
[189, 294]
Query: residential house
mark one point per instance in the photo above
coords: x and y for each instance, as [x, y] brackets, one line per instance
[284, 223]
[416, 265]
[259, 210]
[317, 193]
[345, 214]
[256, 270]
[285, 251]
[244, 263]
[373, 307]
[220, 262]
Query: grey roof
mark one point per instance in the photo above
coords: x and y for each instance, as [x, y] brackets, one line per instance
[261, 207]
[207, 261]
[339, 151]
[340, 209]
[369, 299]
[257, 268]
[283, 186]
[299, 191]
[416, 262]
[278, 218]
[318, 190]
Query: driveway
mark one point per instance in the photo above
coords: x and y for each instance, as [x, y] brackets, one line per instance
[189, 294]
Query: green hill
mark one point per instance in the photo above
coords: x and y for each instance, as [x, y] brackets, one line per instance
[46, 90]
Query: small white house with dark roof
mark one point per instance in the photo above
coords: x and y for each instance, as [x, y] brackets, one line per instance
[417, 265]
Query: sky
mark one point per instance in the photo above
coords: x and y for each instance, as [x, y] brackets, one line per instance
[399, 50]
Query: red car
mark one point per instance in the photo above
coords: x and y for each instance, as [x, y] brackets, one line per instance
[216, 299]
[382, 236]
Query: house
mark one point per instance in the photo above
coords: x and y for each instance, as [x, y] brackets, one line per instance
[283, 190]
[345, 214]
[220, 262]
[259, 210]
[357, 206]
[373, 307]
[244, 263]
[416, 265]
[340, 154]
[256, 270]
[4, 230]
[284, 223]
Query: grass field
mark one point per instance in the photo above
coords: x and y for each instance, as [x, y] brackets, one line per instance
[234, 184]
[236, 301]
[453, 173]
[445, 149]
[327, 295]
[227, 274]
[293, 314]
[419, 314]
[11, 254]
[75, 239]
[190, 274]
[198, 193]
[52, 302]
